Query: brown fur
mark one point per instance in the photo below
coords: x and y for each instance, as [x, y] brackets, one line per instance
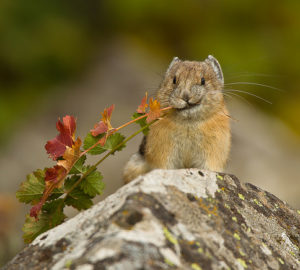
[190, 135]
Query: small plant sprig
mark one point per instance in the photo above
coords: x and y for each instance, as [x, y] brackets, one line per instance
[70, 182]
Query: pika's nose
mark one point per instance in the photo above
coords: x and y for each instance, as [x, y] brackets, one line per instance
[186, 97]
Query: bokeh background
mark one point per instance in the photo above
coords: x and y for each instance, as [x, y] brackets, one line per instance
[77, 57]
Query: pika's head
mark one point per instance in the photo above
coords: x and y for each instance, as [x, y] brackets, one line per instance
[193, 89]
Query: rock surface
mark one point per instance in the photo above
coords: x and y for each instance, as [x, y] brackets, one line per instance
[176, 219]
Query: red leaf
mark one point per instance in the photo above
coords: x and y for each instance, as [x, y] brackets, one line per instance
[53, 175]
[68, 126]
[65, 146]
[57, 146]
[34, 211]
[142, 107]
[99, 128]
[110, 110]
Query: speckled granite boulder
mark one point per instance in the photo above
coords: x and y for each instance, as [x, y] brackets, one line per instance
[176, 219]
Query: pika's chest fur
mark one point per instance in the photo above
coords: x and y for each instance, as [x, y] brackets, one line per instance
[174, 145]
[186, 147]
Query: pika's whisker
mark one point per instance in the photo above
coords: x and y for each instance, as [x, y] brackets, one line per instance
[251, 74]
[247, 93]
[227, 95]
[233, 95]
[257, 84]
[241, 98]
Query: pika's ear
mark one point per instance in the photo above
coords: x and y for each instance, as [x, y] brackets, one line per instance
[216, 67]
[175, 60]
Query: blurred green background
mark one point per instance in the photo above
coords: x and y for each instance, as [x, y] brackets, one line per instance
[48, 44]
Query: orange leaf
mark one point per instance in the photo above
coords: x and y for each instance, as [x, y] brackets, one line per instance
[104, 125]
[71, 155]
[106, 115]
[154, 111]
[142, 107]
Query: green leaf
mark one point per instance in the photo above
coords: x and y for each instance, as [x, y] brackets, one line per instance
[113, 141]
[78, 166]
[51, 216]
[79, 200]
[142, 122]
[31, 190]
[70, 181]
[53, 206]
[56, 193]
[92, 184]
[90, 140]
[33, 228]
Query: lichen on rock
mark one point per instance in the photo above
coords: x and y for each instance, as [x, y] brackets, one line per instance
[174, 219]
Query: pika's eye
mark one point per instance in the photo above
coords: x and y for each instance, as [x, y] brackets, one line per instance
[174, 80]
[202, 81]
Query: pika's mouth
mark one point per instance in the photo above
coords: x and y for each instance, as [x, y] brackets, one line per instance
[191, 105]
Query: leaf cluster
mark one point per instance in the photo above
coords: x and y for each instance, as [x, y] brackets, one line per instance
[52, 211]
[71, 182]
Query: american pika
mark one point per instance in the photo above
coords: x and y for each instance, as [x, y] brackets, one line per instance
[196, 131]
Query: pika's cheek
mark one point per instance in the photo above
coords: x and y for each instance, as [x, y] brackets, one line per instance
[215, 96]
[175, 100]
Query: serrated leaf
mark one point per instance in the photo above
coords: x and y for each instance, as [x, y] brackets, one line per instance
[56, 193]
[79, 200]
[142, 107]
[90, 140]
[142, 122]
[51, 216]
[154, 111]
[70, 181]
[113, 141]
[52, 206]
[57, 147]
[104, 125]
[92, 184]
[31, 190]
[71, 155]
[33, 228]
[78, 166]
[54, 178]
[99, 128]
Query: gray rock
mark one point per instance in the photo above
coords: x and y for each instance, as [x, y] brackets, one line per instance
[176, 219]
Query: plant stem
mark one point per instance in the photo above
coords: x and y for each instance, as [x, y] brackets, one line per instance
[92, 168]
[136, 119]
[120, 127]
[123, 142]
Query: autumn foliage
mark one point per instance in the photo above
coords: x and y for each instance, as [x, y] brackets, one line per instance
[70, 182]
